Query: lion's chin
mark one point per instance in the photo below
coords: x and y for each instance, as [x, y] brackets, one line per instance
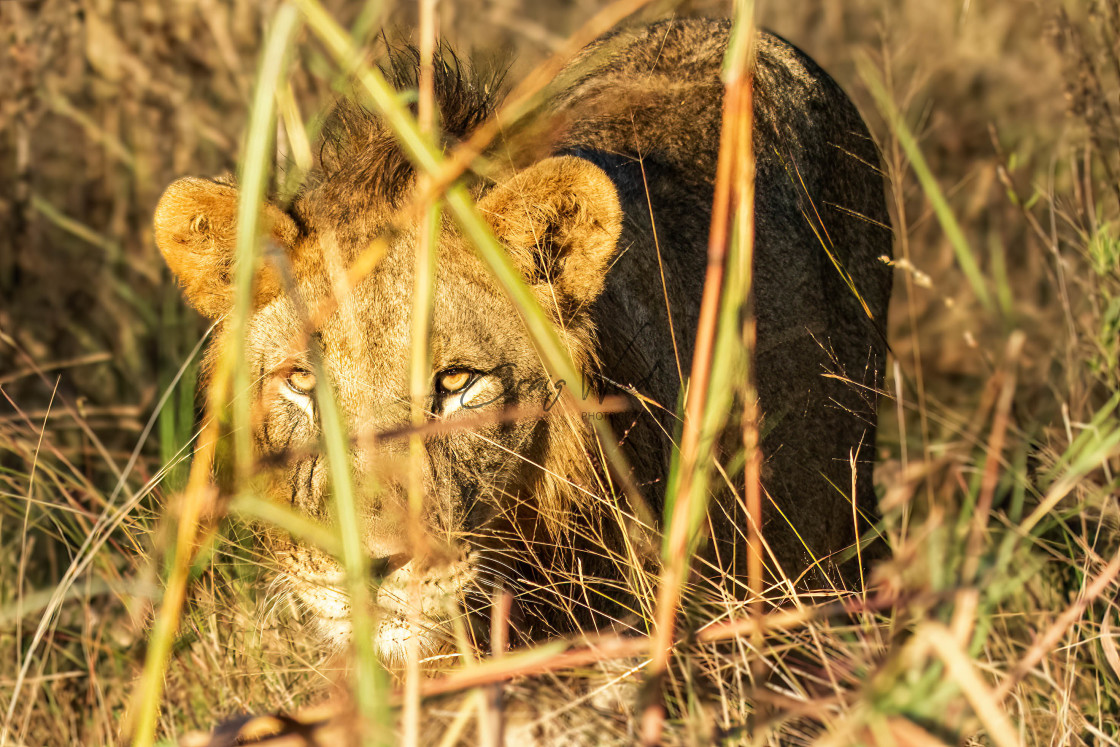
[323, 601]
[391, 639]
[334, 633]
[394, 636]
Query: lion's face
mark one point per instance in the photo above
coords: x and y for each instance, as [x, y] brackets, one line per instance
[498, 469]
[472, 475]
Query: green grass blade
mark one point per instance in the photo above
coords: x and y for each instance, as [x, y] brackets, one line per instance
[254, 176]
[941, 208]
[370, 683]
[253, 182]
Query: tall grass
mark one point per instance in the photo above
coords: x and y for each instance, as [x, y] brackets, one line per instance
[133, 608]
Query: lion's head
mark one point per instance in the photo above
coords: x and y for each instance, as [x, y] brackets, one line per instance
[505, 477]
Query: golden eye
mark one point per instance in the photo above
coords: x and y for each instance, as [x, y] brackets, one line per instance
[302, 382]
[454, 381]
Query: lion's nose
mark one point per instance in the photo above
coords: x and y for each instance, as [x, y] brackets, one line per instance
[383, 566]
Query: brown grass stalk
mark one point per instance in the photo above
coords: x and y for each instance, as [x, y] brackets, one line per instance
[730, 195]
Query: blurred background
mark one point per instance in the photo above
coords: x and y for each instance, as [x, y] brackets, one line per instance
[104, 102]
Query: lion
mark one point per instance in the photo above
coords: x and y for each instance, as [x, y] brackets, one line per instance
[607, 220]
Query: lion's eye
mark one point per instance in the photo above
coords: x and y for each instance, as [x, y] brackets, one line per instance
[455, 380]
[301, 382]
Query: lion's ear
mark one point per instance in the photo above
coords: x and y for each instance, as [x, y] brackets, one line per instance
[196, 231]
[561, 221]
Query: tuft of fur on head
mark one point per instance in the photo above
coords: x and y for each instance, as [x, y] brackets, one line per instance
[361, 155]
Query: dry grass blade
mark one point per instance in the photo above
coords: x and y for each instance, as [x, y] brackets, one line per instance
[961, 669]
[521, 99]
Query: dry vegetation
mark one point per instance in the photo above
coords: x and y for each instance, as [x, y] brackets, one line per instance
[994, 623]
